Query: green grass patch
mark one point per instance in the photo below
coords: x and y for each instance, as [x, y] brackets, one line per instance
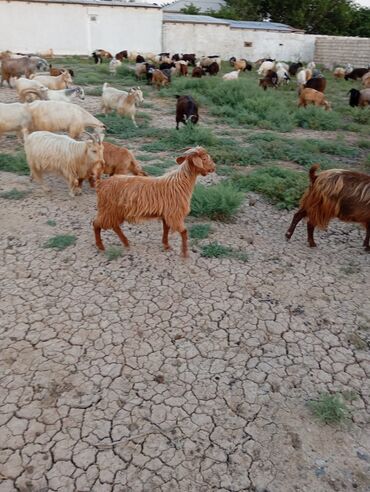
[14, 163]
[217, 250]
[51, 223]
[124, 128]
[218, 202]
[364, 144]
[60, 242]
[113, 252]
[14, 194]
[155, 170]
[329, 409]
[282, 187]
[199, 231]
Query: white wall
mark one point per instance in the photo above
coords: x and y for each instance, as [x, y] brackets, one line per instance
[69, 29]
[207, 39]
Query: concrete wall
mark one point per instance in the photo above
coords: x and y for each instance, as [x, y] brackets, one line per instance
[220, 39]
[77, 29]
[339, 50]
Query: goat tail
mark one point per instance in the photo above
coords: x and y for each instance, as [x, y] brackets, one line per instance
[312, 173]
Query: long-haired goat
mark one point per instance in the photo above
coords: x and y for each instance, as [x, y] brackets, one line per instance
[119, 160]
[359, 98]
[62, 81]
[159, 79]
[127, 105]
[317, 83]
[58, 116]
[110, 98]
[317, 98]
[14, 117]
[137, 198]
[29, 90]
[58, 154]
[336, 193]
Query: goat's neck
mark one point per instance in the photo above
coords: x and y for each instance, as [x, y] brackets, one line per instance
[186, 176]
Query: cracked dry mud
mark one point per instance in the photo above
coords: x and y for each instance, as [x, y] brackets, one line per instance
[151, 373]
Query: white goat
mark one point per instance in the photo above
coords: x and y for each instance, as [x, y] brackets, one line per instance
[127, 105]
[58, 154]
[110, 98]
[311, 65]
[206, 61]
[57, 116]
[283, 75]
[29, 90]
[282, 65]
[62, 81]
[265, 67]
[14, 117]
[66, 95]
[231, 75]
[113, 65]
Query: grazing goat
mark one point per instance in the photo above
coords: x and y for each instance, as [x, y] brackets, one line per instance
[137, 198]
[186, 110]
[110, 98]
[159, 79]
[62, 81]
[317, 83]
[182, 68]
[231, 75]
[336, 193]
[281, 65]
[58, 154]
[113, 65]
[127, 105]
[294, 67]
[359, 98]
[58, 71]
[303, 76]
[29, 90]
[312, 96]
[187, 57]
[141, 69]
[366, 80]
[16, 67]
[206, 61]
[241, 64]
[270, 80]
[66, 95]
[121, 55]
[266, 67]
[282, 75]
[198, 72]
[98, 55]
[339, 73]
[213, 68]
[311, 65]
[14, 117]
[57, 116]
[118, 160]
[357, 73]
[140, 59]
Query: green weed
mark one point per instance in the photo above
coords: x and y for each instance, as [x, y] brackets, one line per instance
[329, 409]
[113, 252]
[218, 202]
[15, 163]
[199, 231]
[60, 242]
[14, 194]
[217, 250]
[51, 223]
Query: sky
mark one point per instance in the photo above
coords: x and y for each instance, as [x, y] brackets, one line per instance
[363, 3]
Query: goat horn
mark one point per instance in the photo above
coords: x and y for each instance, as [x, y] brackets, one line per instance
[92, 136]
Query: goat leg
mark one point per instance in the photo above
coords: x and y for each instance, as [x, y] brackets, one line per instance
[310, 231]
[367, 237]
[98, 241]
[166, 230]
[184, 239]
[122, 237]
[296, 219]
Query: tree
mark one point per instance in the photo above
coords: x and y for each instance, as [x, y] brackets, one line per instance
[190, 9]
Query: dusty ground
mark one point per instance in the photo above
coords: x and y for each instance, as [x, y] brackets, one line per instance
[153, 373]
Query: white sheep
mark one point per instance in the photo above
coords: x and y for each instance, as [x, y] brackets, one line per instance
[48, 153]
[110, 98]
[66, 95]
[14, 117]
[62, 81]
[265, 67]
[231, 75]
[113, 65]
[58, 116]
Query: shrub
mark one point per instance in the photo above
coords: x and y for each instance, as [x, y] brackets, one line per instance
[329, 409]
[217, 250]
[14, 194]
[51, 223]
[218, 202]
[113, 252]
[15, 163]
[60, 242]
[282, 187]
[199, 231]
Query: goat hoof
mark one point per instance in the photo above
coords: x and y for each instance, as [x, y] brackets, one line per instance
[312, 245]
[367, 248]
[100, 247]
[288, 235]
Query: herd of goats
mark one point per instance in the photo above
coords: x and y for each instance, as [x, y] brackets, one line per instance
[46, 110]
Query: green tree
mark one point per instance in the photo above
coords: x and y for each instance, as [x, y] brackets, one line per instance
[190, 9]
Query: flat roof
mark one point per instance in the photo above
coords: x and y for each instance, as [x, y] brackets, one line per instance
[95, 3]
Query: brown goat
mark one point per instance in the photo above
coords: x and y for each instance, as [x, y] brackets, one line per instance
[159, 79]
[119, 160]
[137, 198]
[336, 193]
[197, 72]
[58, 71]
[313, 96]
[317, 83]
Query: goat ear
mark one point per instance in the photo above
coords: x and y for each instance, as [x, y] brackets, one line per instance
[197, 162]
[181, 159]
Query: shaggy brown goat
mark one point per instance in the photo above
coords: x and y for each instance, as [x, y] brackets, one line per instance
[137, 198]
[336, 193]
[317, 83]
[313, 96]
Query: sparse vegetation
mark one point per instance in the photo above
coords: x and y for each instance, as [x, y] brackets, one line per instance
[217, 250]
[14, 194]
[218, 202]
[329, 409]
[60, 242]
[113, 252]
[51, 223]
[199, 231]
[14, 163]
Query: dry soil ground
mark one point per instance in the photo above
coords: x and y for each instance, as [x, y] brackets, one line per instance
[153, 373]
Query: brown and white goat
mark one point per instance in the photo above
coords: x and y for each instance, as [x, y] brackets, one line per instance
[159, 79]
[137, 198]
[313, 96]
[336, 193]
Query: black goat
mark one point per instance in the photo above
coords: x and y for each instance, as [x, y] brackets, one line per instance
[213, 68]
[356, 73]
[186, 110]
